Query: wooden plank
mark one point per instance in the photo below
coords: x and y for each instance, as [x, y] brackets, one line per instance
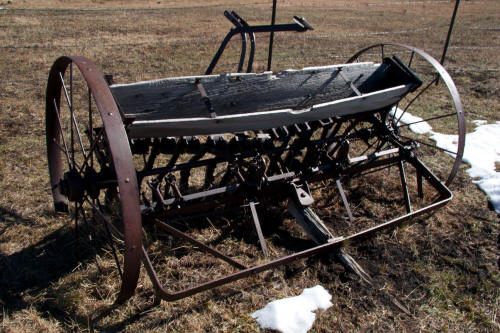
[266, 119]
[230, 94]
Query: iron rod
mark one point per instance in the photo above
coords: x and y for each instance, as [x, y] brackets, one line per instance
[258, 229]
[203, 246]
[429, 119]
[271, 37]
[404, 186]
[56, 109]
[450, 30]
[428, 144]
[344, 199]
[71, 111]
[436, 79]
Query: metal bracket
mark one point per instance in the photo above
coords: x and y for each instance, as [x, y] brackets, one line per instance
[344, 199]
[353, 87]
[205, 98]
[302, 193]
[258, 229]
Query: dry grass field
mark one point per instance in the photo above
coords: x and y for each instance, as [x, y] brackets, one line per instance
[438, 274]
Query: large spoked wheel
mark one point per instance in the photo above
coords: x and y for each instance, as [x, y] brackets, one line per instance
[431, 116]
[92, 174]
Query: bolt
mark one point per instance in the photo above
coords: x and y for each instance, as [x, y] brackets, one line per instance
[127, 180]
[110, 113]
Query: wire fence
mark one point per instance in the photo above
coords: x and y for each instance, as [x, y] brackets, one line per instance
[96, 43]
[209, 40]
[343, 4]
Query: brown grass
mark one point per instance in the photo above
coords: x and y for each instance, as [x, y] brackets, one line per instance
[442, 269]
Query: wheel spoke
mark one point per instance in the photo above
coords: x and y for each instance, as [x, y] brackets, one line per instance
[79, 136]
[110, 228]
[56, 109]
[113, 249]
[61, 148]
[65, 90]
[69, 100]
[429, 119]
[411, 59]
[91, 128]
[91, 150]
[429, 145]
[416, 97]
[76, 216]
[71, 112]
[91, 237]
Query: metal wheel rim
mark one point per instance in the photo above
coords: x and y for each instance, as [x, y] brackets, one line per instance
[121, 156]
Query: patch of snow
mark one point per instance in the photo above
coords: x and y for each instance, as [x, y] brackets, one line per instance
[421, 127]
[480, 122]
[482, 151]
[294, 314]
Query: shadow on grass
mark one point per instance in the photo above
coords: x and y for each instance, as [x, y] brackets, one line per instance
[35, 267]
[9, 218]
[32, 270]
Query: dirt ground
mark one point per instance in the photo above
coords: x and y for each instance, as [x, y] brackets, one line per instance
[439, 273]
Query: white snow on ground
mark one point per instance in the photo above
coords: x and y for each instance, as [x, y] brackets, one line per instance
[482, 151]
[480, 122]
[294, 314]
[419, 128]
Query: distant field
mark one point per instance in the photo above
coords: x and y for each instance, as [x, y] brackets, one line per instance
[436, 275]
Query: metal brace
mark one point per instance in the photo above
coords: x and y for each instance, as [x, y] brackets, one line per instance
[205, 98]
[302, 194]
[353, 87]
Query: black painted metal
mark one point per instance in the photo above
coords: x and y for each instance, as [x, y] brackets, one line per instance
[271, 37]
[242, 28]
[444, 197]
[252, 41]
[450, 30]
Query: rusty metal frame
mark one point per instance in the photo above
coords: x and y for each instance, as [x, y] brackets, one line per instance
[444, 197]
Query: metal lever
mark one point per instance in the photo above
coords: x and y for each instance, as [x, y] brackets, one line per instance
[239, 23]
[241, 27]
[205, 98]
[303, 22]
[252, 40]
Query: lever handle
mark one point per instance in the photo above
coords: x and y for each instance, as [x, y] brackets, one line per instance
[303, 22]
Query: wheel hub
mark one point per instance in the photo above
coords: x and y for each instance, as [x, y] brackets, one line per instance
[72, 185]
